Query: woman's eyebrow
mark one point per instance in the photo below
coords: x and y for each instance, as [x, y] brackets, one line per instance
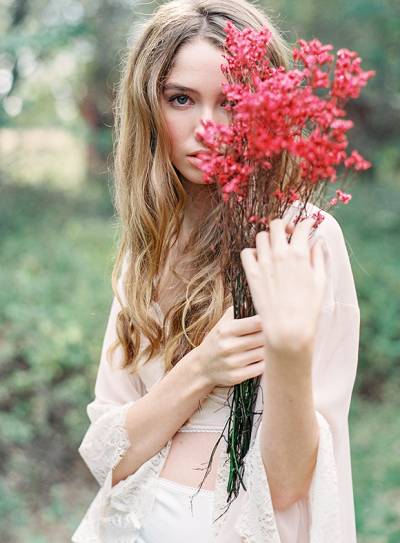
[175, 86]
[180, 88]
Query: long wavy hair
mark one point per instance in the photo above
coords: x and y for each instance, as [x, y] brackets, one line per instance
[149, 197]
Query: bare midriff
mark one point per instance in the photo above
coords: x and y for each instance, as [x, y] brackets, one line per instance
[189, 456]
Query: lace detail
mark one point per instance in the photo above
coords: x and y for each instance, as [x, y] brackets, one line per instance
[88, 529]
[117, 513]
[256, 523]
[131, 500]
[106, 440]
[324, 493]
[220, 494]
[202, 429]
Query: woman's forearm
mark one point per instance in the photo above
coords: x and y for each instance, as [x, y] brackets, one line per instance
[156, 417]
[290, 433]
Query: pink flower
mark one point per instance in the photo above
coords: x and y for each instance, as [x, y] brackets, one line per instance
[275, 110]
[318, 219]
[293, 196]
[357, 161]
[349, 78]
[279, 195]
[343, 197]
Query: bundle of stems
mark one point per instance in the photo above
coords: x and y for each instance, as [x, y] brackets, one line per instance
[239, 233]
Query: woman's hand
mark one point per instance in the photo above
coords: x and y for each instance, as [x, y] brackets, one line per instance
[233, 351]
[287, 282]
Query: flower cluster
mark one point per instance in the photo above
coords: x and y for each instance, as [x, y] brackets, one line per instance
[246, 52]
[276, 110]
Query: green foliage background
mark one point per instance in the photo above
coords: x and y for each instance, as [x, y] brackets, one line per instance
[58, 64]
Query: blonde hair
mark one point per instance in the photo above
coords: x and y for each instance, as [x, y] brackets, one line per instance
[149, 197]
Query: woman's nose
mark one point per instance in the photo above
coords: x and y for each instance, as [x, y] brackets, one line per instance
[218, 115]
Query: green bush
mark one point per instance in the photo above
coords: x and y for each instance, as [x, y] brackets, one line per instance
[371, 225]
[55, 293]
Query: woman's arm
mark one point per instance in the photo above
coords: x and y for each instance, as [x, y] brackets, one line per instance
[287, 284]
[326, 513]
[289, 432]
[129, 426]
[153, 419]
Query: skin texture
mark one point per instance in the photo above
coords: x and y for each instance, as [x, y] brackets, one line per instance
[284, 279]
[197, 66]
[287, 279]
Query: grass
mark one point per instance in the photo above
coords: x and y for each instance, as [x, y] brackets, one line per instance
[375, 447]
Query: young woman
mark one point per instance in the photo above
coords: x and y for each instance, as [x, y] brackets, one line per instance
[173, 351]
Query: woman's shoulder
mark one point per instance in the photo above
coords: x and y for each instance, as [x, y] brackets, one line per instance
[337, 255]
[329, 227]
[312, 210]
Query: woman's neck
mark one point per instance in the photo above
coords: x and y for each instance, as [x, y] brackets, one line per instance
[197, 205]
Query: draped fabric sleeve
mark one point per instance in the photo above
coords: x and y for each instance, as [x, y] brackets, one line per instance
[326, 515]
[106, 440]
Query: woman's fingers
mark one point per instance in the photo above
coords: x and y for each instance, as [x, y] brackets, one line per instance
[301, 234]
[274, 243]
[289, 228]
[252, 270]
[248, 257]
[263, 247]
[278, 240]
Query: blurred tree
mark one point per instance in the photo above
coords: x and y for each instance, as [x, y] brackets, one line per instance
[81, 44]
[70, 52]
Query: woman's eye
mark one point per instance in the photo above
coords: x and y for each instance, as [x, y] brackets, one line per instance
[173, 98]
[230, 103]
[185, 97]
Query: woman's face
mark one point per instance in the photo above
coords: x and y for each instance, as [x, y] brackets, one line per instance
[193, 92]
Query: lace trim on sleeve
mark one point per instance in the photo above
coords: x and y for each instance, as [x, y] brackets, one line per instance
[131, 500]
[117, 513]
[88, 529]
[324, 493]
[106, 441]
[256, 521]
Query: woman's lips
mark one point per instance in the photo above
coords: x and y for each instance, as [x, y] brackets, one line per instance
[194, 161]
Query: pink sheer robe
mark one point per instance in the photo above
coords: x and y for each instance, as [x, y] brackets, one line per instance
[326, 516]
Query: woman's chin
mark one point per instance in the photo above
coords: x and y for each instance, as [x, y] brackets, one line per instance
[197, 178]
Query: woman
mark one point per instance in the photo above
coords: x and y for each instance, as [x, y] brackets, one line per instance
[159, 411]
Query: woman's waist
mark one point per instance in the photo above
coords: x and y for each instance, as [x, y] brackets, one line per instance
[189, 456]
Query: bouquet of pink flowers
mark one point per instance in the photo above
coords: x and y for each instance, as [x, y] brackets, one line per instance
[285, 143]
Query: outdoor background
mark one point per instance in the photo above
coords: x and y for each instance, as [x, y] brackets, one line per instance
[59, 61]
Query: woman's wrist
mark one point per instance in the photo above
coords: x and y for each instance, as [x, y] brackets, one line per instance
[193, 360]
[290, 364]
[297, 343]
